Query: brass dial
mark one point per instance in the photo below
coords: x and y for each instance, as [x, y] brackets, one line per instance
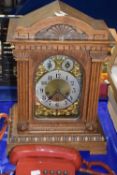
[60, 84]
[57, 90]
[58, 87]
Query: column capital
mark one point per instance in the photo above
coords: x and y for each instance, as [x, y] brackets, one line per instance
[100, 56]
[21, 55]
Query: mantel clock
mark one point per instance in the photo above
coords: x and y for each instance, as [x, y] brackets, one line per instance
[59, 53]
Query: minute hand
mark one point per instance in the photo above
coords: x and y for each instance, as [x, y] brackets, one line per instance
[64, 96]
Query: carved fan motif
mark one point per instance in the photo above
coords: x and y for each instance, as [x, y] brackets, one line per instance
[61, 32]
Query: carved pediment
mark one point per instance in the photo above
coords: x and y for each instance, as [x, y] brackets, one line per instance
[57, 21]
[61, 32]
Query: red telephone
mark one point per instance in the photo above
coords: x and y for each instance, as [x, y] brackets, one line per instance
[51, 160]
[5, 124]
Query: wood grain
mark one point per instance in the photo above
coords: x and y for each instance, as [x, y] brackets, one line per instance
[90, 51]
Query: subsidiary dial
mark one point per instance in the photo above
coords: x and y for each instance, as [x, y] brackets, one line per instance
[67, 65]
[49, 64]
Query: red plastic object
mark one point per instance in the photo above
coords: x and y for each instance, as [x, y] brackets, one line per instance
[42, 166]
[58, 160]
[47, 151]
[5, 124]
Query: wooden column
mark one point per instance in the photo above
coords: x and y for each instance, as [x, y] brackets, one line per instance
[93, 95]
[23, 94]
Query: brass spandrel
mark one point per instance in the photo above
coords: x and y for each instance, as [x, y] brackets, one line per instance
[43, 112]
[58, 89]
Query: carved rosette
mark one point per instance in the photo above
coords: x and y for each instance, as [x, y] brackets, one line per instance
[92, 126]
[22, 126]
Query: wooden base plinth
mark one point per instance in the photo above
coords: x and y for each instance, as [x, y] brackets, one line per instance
[89, 141]
[92, 147]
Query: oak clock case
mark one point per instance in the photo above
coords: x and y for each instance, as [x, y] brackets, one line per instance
[58, 88]
[59, 59]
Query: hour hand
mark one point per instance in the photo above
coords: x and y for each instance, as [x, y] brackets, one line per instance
[50, 96]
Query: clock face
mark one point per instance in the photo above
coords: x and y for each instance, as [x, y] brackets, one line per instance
[58, 87]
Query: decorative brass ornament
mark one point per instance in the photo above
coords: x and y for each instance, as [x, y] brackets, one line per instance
[43, 112]
[58, 84]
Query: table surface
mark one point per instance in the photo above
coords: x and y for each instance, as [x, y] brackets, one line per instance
[109, 158]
